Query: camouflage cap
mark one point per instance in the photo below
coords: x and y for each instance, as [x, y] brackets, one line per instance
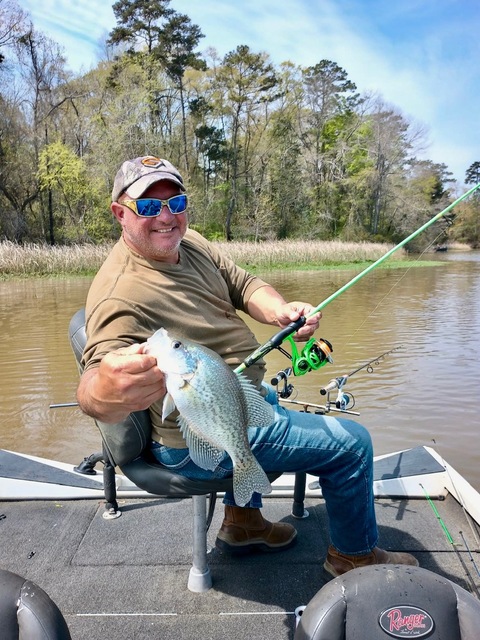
[135, 176]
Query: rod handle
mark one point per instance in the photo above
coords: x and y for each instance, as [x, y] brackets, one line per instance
[331, 386]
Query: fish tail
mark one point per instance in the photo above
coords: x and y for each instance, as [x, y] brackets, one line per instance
[248, 477]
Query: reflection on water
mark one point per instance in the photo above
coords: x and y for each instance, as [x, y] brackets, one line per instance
[423, 393]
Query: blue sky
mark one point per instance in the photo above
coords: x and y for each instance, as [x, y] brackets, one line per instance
[421, 56]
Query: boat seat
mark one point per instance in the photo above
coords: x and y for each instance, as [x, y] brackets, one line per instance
[27, 612]
[384, 601]
[126, 446]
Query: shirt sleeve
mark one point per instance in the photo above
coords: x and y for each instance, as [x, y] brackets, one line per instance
[113, 324]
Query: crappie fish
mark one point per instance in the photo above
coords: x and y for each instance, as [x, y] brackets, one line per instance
[216, 407]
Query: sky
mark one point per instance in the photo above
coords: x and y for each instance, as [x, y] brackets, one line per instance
[422, 57]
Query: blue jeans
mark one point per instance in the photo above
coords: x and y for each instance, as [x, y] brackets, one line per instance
[336, 450]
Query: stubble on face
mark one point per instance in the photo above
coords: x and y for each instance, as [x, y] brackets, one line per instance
[156, 238]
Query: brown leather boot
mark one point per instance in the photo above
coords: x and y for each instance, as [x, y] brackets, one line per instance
[244, 529]
[338, 563]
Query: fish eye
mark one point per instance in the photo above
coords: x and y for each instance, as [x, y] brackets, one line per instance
[176, 344]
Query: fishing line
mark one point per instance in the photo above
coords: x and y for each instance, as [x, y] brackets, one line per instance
[410, 265]
[468, 517]
[276, 340]
[449, 537]
[380, 302]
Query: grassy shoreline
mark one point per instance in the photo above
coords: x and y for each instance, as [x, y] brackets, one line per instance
[37, 260]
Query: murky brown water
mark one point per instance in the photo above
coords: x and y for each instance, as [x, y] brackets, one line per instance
[426, 392]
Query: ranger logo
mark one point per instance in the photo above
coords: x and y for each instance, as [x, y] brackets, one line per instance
[406, 621]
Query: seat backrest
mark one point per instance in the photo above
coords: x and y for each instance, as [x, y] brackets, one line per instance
[125, 441]
[27, 612]
[384, 601]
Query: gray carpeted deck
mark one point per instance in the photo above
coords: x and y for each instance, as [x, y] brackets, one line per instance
[128, 577]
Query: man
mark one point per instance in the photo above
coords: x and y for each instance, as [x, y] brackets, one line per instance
[161, 274]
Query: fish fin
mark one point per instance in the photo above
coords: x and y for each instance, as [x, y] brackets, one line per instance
[202, 453]
[260, 412]
[168, 405]
[248, 476]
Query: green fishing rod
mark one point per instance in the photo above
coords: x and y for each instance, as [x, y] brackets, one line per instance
[316, 354]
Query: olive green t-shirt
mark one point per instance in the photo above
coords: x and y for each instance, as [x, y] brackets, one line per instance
[198, 298]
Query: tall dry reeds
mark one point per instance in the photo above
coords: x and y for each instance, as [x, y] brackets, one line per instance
[304, 253]
[45, 260]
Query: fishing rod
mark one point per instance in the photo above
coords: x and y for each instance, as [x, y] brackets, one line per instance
[343, 400]
[322, 350]
[341, 381]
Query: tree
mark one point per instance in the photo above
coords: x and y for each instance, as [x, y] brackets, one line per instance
[12, 24]
[267, 152]
[62, 173]
[18, 189]
[428, 193]
[139, 21]
[180, 38]
[42, 69]
[467, 221]
[387, 146]
[472, 175]
[139, 28]
[169, 40]
[246, 83]
[35, 73]
[287, 201]
[328, 97]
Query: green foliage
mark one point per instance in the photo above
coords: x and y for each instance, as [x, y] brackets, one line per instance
[268, 153]
[60, 169]
[467, 223]
[211, 231]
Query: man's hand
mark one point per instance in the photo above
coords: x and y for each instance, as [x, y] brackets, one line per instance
[268, 306]
[291, 311]
[126, 380]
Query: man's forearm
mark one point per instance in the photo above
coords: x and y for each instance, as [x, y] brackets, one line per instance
[264, 305]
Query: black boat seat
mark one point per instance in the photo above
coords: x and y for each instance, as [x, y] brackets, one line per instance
[382, 602]
[27, 612]
[126, 446]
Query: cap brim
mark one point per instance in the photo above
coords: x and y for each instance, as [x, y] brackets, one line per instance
[139, 187]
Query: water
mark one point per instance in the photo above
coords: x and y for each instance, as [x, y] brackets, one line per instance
[425, 392]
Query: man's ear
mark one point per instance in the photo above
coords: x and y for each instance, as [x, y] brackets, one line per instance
[117, 211]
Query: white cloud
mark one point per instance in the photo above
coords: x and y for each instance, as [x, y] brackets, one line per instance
[76, 26]
[421, 58]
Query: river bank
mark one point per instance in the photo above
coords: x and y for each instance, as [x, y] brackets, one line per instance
[44, 260]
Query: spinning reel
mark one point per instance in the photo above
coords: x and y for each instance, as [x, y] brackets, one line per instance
[314, 355]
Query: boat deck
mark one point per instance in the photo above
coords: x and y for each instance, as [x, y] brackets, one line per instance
[128, 577]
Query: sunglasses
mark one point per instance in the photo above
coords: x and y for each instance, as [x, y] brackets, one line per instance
[152, 207]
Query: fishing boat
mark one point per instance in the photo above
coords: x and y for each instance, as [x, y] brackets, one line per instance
[127, 577]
